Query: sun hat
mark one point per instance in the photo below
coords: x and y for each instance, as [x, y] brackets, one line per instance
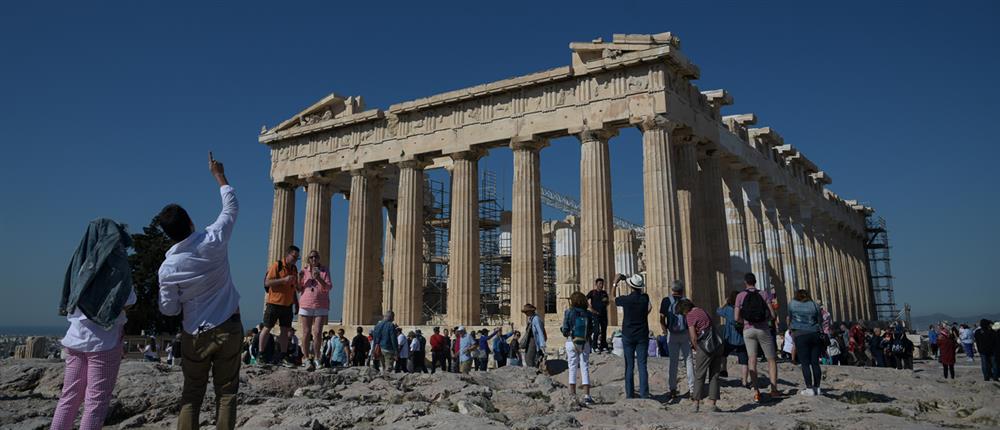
[528, 307]
[635, 281]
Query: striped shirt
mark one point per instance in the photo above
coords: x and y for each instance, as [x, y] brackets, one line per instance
[699, 319]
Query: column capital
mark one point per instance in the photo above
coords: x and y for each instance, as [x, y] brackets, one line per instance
[656, 122]
[285, 185]
[473, 154]
[528, 144]
[415, 163]
[315, 178]
[596, 134]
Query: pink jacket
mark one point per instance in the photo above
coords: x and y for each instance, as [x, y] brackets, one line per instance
[315, 296]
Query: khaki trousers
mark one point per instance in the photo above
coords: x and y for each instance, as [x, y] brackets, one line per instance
[216, 351]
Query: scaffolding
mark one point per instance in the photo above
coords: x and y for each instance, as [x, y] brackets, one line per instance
[494, 280]
[879, 268]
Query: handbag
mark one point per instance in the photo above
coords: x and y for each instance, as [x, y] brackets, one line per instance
[708, 341]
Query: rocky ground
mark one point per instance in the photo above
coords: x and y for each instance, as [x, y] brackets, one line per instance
[276, 398]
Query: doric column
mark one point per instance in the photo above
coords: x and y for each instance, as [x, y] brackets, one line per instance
[799, 242]
[663, 259]
[463, 247]
[596, 228]
[715, 225]
[755, 229]
[317, 224]
[689, 223]
[626, 262]
[407, 260]
[526, 231]
[388, 254]
[358, 262]
[775, 261]
[282, 221]
[739, 247]
[567, 266]
[861, 272]
[788, 258]
[374, 269]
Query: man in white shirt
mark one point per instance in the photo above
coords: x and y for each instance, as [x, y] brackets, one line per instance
[195, 278]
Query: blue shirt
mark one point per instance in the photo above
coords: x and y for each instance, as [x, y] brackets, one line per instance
[932, 337]
[384, 335]
[337, 351]
[463, 346]
[805, 316]
[538, 333]
[730, 334]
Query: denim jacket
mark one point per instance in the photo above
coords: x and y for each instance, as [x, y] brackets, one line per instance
[99, 279]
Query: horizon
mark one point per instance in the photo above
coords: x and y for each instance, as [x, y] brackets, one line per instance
[112, 107]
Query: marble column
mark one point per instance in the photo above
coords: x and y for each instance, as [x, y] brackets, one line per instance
[463, 246]
[407, 260]
[861, 272]
[388, 253]
[716, 227]
[755, 229]
[788, 258]
[374, 269]
[282, 221]
[799, 242]
[736, 231]
[358, 263]
[567, 266]
[317, 223]
[775, 260]
[689, 223]
[626, 262]
[526, 231]
[663, 259]
[596, 228]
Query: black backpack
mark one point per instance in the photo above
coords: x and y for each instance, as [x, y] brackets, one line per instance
[754, 308]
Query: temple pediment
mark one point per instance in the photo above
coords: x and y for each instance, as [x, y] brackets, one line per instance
[328, 108]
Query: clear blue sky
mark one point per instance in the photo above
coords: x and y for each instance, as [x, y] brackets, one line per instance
[109, 109]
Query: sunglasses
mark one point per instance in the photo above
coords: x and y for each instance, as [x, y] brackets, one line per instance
[314, 257]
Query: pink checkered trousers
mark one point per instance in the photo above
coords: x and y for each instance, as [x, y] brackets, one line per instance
[89, 380]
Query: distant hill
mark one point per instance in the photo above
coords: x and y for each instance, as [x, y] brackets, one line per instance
[923, 321]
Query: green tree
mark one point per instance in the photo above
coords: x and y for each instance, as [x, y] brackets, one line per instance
[150, 247]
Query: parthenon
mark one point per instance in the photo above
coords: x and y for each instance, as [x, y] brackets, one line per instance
[721, 196]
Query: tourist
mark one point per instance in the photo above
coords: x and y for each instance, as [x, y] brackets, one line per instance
[446, 352]
[483, 352]
[965, 336]
[876, 345]
[733, 338]
[599, 300]
[932, 337]
[986, 343]
[753, 312]
[314, 305]
[93, 346]
[947, 348]
[149, 352]
[533, 342]
[514, 352]
[439, 350]
[902, 348]
[635, 332]
[295, 353]
[833, 350]
[195, 281]
[501, 349]
[577, 326]
[806, 318]
[279, 286]
[454, 350]
[360, 347]
[417, 352]
[466, 348]
[707, 350]
[336, 351]
[402, 360]
[384, 345]
[675, 328]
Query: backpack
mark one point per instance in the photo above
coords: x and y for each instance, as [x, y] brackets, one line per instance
[675, 323]
[897, 347]
[754, 309]
[281, 268]
[580, 328]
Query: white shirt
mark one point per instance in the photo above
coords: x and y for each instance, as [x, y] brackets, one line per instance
[85, 336]
[404, 346]
[415, 345]
[195, 274]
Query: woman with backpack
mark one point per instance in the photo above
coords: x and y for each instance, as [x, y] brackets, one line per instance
[577, 326]
[806, 320]
[707, 349]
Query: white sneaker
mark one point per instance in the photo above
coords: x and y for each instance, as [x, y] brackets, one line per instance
[807, 392]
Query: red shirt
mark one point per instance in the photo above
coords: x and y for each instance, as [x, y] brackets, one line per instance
[699, 319]
[437, 343]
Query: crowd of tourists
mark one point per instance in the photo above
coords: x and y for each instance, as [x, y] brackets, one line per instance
[196, 283]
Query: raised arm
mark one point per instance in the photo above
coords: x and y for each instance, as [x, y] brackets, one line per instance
[230, 206]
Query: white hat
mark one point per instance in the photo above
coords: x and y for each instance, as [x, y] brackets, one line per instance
[460, 328]
[635, 281]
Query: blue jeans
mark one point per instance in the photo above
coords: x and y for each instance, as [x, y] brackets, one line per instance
[990, 365]
[636, 350]
[808, 348]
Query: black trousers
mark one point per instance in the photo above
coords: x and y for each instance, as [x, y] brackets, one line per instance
[599, 338]
[439, 358]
